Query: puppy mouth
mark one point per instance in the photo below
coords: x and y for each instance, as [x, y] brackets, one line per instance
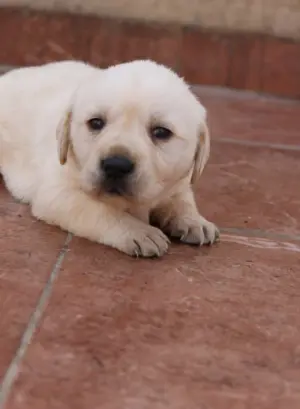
[116, 187]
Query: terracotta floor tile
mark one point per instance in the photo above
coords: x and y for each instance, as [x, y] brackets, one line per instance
[252, 187]
[213, 328]
[247, 116]
[28, 250]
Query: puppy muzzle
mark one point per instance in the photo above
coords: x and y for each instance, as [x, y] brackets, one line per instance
[116, 173]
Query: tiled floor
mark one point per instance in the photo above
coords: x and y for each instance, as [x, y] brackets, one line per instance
[84, 327]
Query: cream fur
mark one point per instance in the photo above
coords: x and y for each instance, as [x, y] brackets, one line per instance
[50, 159]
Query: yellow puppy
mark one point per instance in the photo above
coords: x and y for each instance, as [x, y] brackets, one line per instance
[100, 152]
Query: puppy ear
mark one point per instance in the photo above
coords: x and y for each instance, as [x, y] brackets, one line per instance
[63, 137]
[202, 153]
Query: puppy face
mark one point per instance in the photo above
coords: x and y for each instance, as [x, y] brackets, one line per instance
[135, 131]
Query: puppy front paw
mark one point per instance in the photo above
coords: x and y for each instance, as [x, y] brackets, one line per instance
[198, 232]
[145, 241]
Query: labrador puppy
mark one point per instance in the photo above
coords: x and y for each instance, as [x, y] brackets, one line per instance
[105, 154]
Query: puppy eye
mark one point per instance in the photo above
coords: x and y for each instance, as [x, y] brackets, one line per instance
[96, 124]
[161, 133]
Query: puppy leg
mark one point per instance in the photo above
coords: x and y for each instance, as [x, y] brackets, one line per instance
[179, 218]
[74, 211]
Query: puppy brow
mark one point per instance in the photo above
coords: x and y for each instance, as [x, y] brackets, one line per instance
[129, 113]
[96, 113]
[157, 120]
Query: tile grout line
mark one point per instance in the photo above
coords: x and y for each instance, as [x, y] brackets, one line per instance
[257, 233]
[258, 144]
[12, 371]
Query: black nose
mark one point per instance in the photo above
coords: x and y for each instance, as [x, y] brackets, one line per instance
[117, 166]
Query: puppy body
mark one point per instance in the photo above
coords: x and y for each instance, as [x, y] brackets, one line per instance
[51, 158]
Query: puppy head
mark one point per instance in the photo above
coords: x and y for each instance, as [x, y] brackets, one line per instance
[136, 131]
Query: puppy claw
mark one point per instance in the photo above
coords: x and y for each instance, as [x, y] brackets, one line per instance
[211, 233]
[148, 243]
[197, 234]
